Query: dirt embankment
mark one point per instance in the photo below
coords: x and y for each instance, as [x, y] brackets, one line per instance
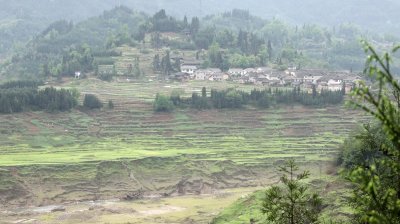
[45, 185]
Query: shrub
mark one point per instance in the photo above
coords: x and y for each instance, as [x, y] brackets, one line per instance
[163, 104]
[92, 102]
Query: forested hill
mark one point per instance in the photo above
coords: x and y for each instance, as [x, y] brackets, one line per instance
[231, 39]
[20, 19]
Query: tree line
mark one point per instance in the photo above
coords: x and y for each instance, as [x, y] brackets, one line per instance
[25, 95]
[232, 98]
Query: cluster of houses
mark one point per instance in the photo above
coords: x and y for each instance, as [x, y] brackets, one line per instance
[265, 76]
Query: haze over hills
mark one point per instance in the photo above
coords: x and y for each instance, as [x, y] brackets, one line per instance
[366, 13]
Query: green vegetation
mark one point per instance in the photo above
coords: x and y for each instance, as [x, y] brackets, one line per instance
[232, 98]
[291, 203]
[227, 135]
[370, 157]
[17, 28]
[376, 196]
[163, 104]
[92, 102]
[205, 144]
[99, 45]
[245, 210]
[22, 96]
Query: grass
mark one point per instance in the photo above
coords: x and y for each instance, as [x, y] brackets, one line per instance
[332, 189]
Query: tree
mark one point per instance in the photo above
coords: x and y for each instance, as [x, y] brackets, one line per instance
[377, 186]
[156, 63]
[215, 56]
[163, 104]
[194, 26]
[314, 90]
[141, 33]
[156, 40]
[263, 55]
[177, 64]
[92, 102]
[291, 203]
[110, 104]
[166, 66]
[185, 22]
[136, 68]
[204, 92]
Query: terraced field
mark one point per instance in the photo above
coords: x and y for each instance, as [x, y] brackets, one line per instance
[105, 154]
[132, 130]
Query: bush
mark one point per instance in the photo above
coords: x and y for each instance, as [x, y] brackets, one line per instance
[92, 102]
[163, 104]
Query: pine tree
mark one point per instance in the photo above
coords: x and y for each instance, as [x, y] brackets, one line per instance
[204, 92]
[291, 203]
[156, 63]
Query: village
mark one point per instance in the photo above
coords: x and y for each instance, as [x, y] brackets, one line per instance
[266, 76]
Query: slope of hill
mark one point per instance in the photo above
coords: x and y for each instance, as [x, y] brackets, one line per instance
[20, 19]
[241, 39]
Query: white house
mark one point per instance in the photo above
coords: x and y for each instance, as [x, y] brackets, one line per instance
[263, 70]
[335, 84]
[77, 75]
[311, 79]
[235, 71]
[248, 71]
[189, 69]
[204, 74]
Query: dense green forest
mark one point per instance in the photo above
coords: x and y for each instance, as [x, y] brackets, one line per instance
[19, 96]
[20, 19]
[232, 39]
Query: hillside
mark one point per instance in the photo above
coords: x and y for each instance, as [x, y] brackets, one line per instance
[233, 39]
[20, 19]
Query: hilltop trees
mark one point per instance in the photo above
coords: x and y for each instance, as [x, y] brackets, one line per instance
[243, 41]
[194, 26]
[162, 23]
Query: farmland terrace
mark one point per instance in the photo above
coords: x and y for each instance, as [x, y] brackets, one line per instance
[111, 153]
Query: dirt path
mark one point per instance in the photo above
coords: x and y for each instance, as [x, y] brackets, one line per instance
[200, 208]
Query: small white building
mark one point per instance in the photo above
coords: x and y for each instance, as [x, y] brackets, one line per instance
[249, 71]
[77, 75]
[235, 72]
[263, 70]
[189, 69]
[220, 76]
[311, 79]
[335, 84]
